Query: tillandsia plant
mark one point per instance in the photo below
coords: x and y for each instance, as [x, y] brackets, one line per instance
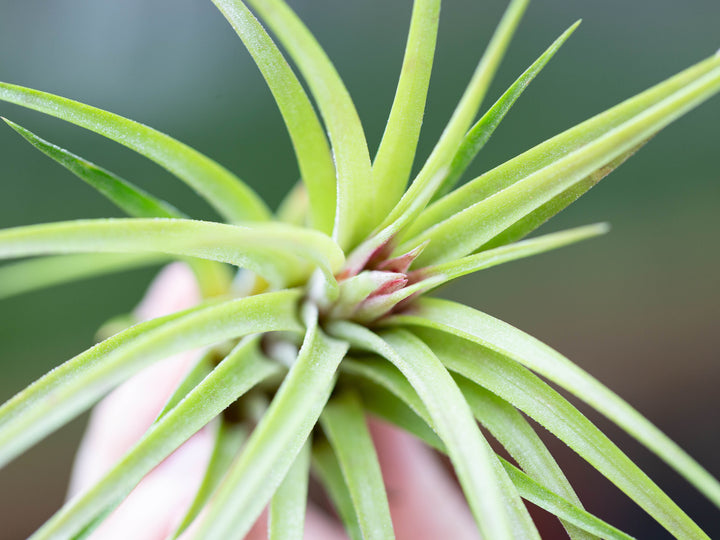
[317, 315]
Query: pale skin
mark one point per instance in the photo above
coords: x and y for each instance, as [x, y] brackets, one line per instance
[425, 503]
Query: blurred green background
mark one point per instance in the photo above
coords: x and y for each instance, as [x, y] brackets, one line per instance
[638, 308]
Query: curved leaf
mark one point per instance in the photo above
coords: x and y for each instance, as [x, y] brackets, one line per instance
[480, 133]
[228, 441]
[242, 369]
[477, 224]
[233, 199]
[273, 250]
[465, 112]
[395, 155]
[278, 438]
[566, 143]
[356, 191]
[35, 274]
[344, 424]
[126, 196]
[75, 385]
[526, 391]
[443, 273]
[327, 466]
[306, 132]
[392, 398]
[497, 507]
[496, 335]
[287, 509]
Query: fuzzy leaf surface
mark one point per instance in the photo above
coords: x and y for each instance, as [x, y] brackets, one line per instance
[395, 155]
[232, 198]
[356, 191]
[74, 386]
[343, 422]
[516, 384]
[43, 272]
[308, 137]
[273, 250]
[287, 507]
[503, 338]
[277, 440]
[497, 507]
[242, 369]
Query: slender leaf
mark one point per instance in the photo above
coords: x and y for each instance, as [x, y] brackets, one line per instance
[497, 507]
[128, 197]
[496, 335]
[466, 231]
[195, 375]
[228, 441]
[442, 273]
[327, 466]
[35, 274]
[536, 218]
[343, 422]
[516, 435]
[516, 384]
[465, 112]
[278, 438]
[566, 143]
[242, 369]
[287, 508]
[306, 132]
[75, 385]
[356, 210]
[483, 129]
[392, 398]
[233, 199]
[273, 250]
[395, 155]
[544, 498]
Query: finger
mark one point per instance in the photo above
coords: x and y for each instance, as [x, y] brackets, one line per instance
[156, 505]
[425, 502]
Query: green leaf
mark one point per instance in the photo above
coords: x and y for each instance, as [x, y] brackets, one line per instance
[326, 464]
[516, 435]
[293, 209]
[395, 155]
[35, 274]
[233, 199]
[356, 211]
[514, 383]
[273, 250]
[75, 385]
[481, 209]
[383, 404]
[391, 397]
[242, 369]
[554, 206]
[483, 129]
[496, 335]
[228, 441]
[197, 373]
[306, 132]
[442, 273]
[465, 112]
[287, 507]
[126, 196]
[497, 507]
[343, 422]
[562, 508]
[278, 438]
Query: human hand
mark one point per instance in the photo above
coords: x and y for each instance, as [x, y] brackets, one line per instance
[425, 502]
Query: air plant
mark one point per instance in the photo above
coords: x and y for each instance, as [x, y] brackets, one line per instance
[337, 280]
